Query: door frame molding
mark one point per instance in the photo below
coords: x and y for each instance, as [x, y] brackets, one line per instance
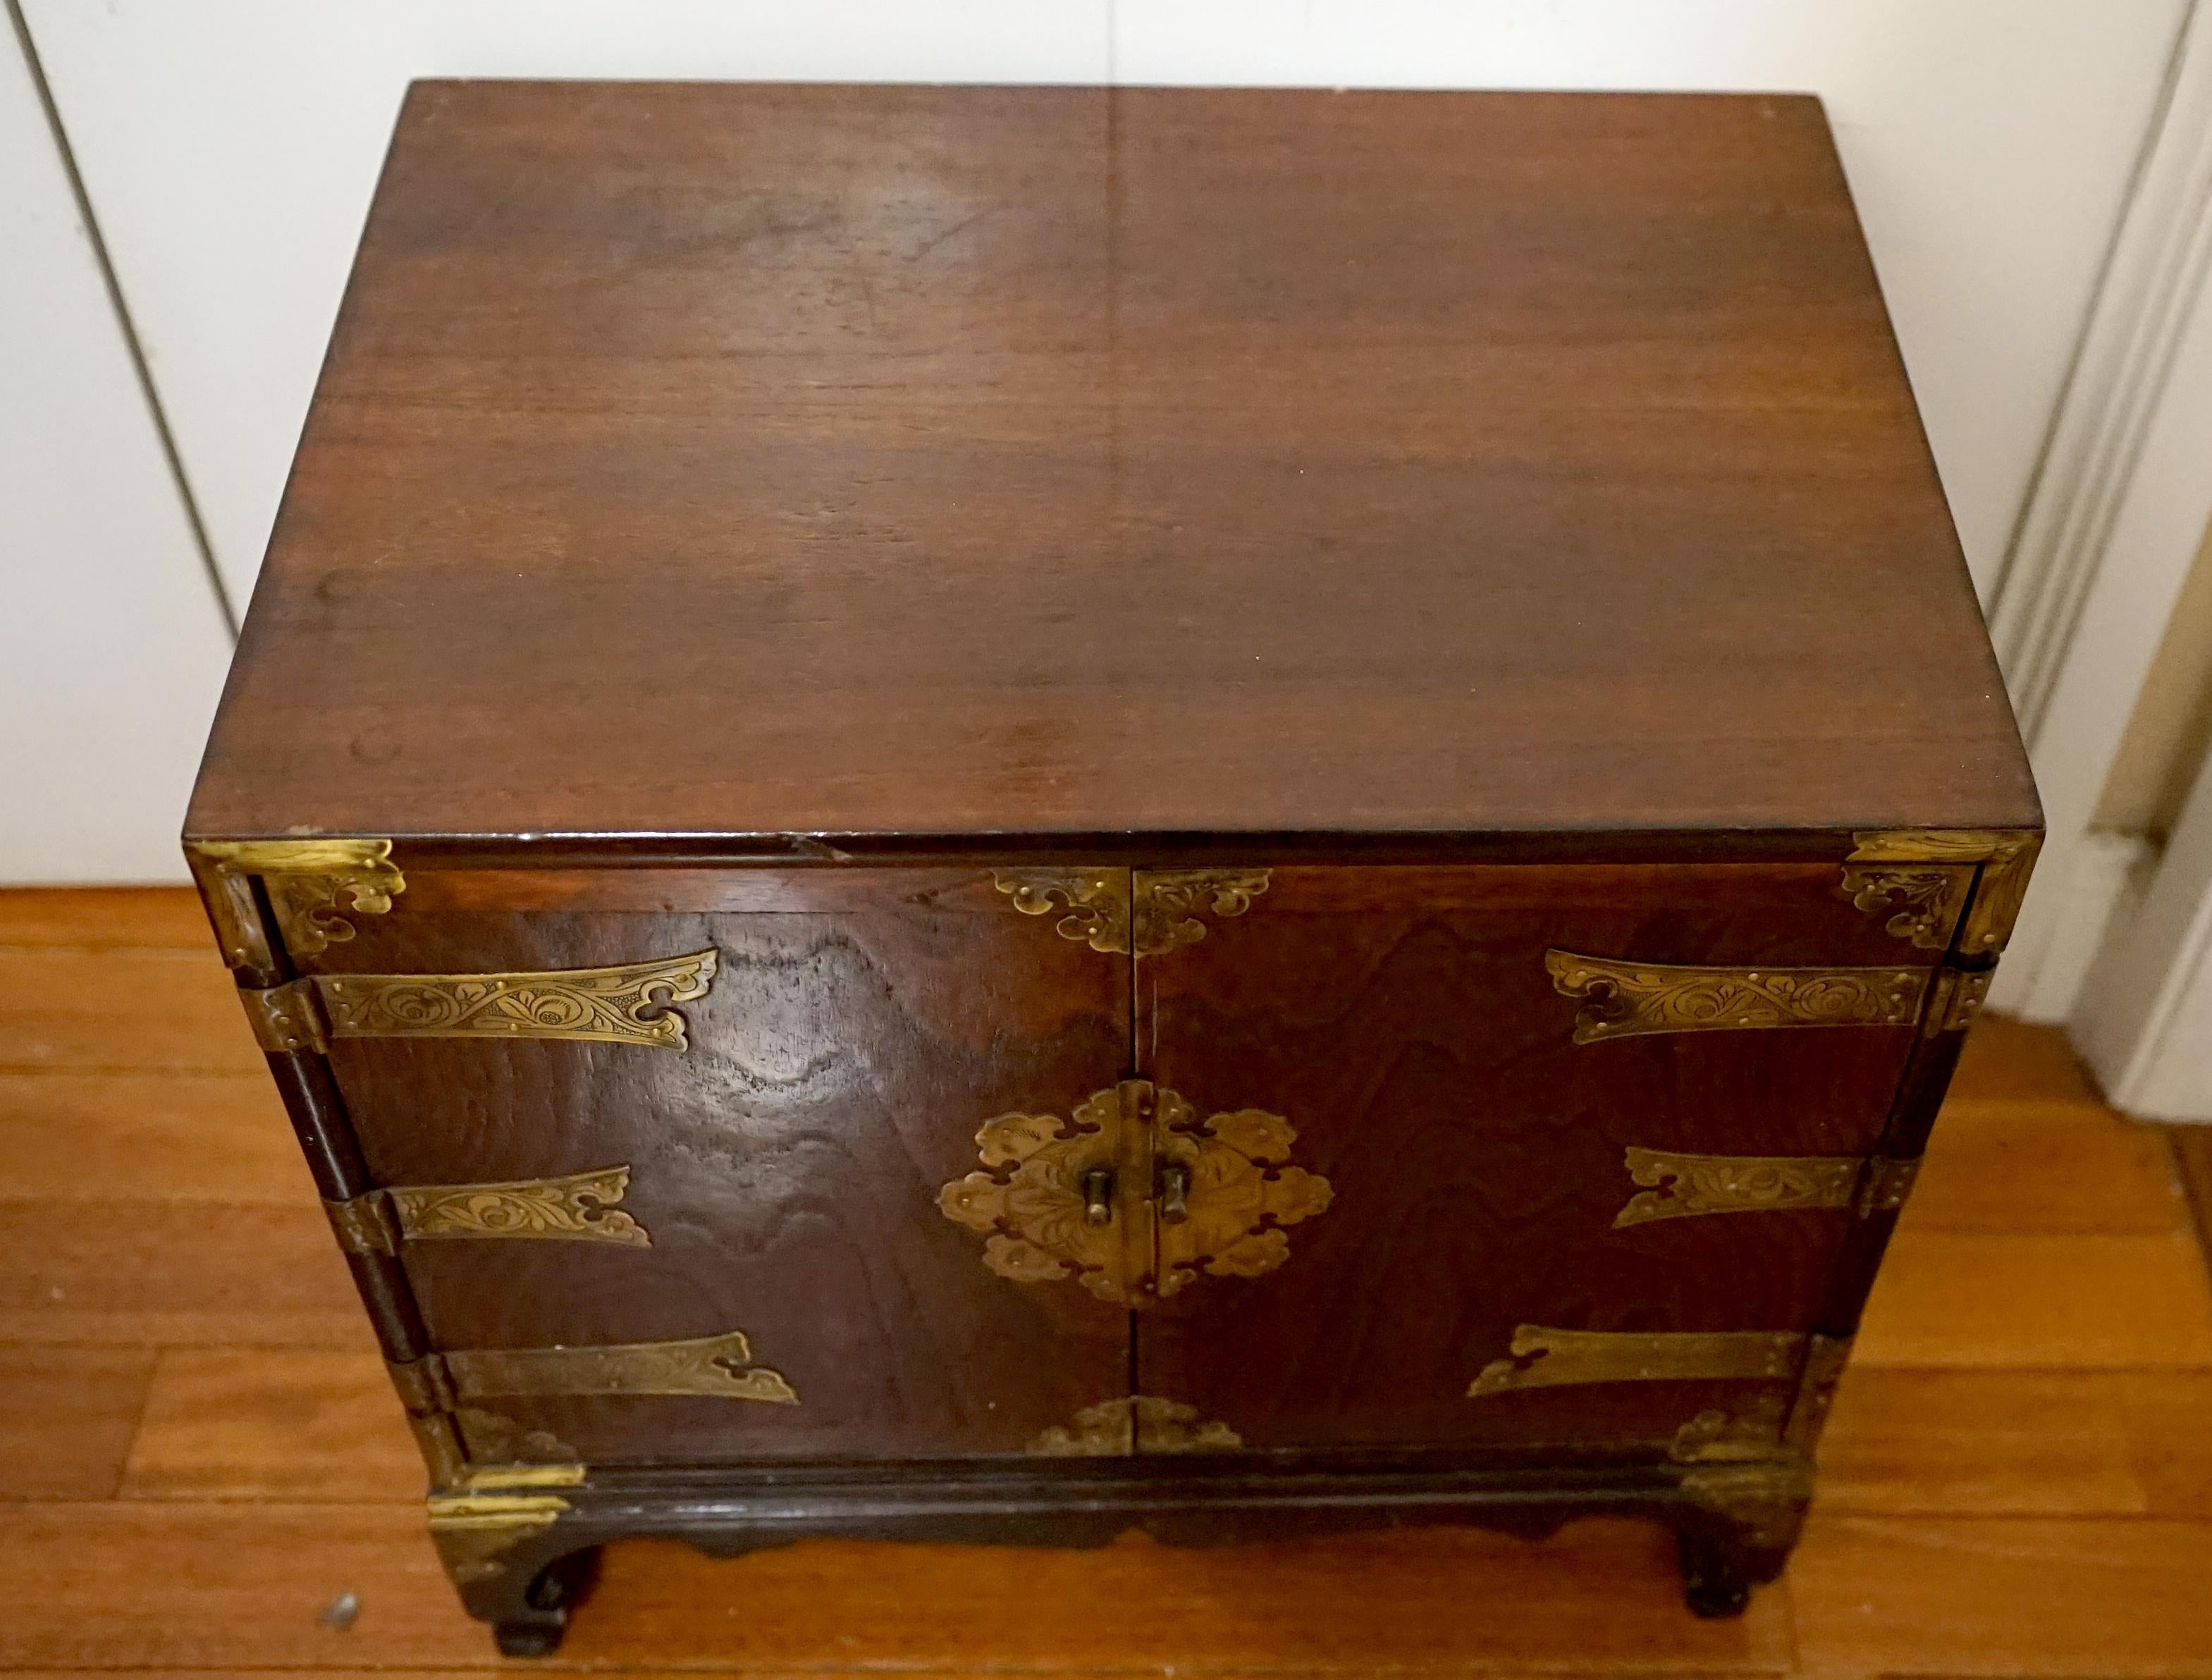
[2113, 520]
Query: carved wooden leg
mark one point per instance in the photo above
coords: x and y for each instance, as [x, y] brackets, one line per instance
[1715, 1582]
[1740, 1522]
[533, 1625]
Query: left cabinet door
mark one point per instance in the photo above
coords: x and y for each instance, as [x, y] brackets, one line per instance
[580, 1214]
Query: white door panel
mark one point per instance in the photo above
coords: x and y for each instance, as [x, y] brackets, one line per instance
[111, 644]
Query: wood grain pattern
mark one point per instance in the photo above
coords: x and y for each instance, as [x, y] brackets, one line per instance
[272, 1424]
[2019, 1443]
[2003, 1596]
[2013, 1167]
[103, 918]
[2040, 1303]
[859, 462]
[167, 1137]
[140, 1274]
[1402, 1021]
[221, 1586]
[863, 1025]
[132, 1010]
[67, 1417]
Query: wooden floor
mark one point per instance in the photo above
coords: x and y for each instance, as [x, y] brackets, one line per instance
[199, 1453]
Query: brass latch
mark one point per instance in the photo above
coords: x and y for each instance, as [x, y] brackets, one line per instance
[1134, 1195]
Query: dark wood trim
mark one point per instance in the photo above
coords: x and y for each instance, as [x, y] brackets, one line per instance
[1730, 1542]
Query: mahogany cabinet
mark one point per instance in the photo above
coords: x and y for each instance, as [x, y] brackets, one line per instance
[1006, 814]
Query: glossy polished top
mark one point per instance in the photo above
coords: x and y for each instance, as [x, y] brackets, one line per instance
[754, 460]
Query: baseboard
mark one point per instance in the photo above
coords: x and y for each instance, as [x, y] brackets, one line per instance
[2099, 889]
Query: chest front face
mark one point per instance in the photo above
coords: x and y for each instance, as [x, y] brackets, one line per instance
[716, 1165]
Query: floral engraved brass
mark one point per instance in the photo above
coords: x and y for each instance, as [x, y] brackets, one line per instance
[580, 1207]
[1032, 1205]
[1924, 902]
[1138, 1423]
[2007, 858]
[314, 885]
[1242, 1192]
[1088, 1197]
[717, 1364]
[1683, 1184]
[1167, 903]
[629, 1004]
[1546, 1358]
[1094, 902]
[1627, 999]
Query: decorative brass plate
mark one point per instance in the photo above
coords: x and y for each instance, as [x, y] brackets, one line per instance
[1030, 1202]
[1077, 1198]
[1095, 901]
[2007, 858]
[313, 884]
[1139, 1423]
[1922, 903]
[1627, 999]
[1683, 1184]
[1149, 912]
[1167, 903]
[718, 1365]
[1547, 1358]
[629, 1003]
[1243, 1192]
[580, 1207]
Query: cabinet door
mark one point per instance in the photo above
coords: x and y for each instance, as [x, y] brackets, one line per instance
[1399, 1034]
[778, 1174]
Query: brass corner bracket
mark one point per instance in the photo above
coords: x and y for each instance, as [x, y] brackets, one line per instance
[2006, 860]
[314, 885]
[1134, 1196]
[475, 1524]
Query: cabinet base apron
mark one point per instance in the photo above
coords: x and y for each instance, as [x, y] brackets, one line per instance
[520, 1544]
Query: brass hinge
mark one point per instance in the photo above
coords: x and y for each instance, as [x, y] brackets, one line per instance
[1956, 1001]
[1134, 1196]
[1626, 999]
[286, 1017]
[579, 1207]
[1885, 1185]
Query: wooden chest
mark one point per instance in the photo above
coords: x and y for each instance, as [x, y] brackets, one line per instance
[1007, 813]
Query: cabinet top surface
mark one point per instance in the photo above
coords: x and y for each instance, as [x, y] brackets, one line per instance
[740, 460]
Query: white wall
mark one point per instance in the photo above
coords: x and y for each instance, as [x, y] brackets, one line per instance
[111, 645]
[230, 147]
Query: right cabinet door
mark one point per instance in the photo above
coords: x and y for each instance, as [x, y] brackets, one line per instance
[1476, 1156]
